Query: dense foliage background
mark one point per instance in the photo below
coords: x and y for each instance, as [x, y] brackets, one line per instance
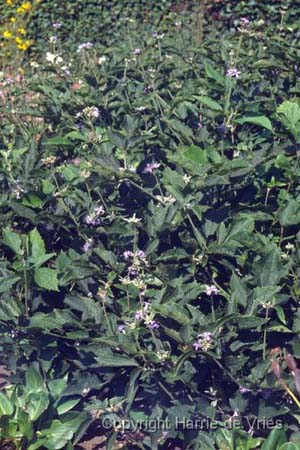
[150, 224]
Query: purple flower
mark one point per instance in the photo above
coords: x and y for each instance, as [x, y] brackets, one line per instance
[92, 220]
[88, 245]
[139, 315]
[127, 255]
[133, 271]
[151, 166]
[233, 73]
[99, 210]
[244, 21]
[197, 345]
[137, 51]
[146, 306]
[244, 390]
[121, 329]
[56, 25]
[153, 325]
[207, 336]
[141, 254]
[211, 290]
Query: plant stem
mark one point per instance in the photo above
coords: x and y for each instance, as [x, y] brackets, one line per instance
[265, 336]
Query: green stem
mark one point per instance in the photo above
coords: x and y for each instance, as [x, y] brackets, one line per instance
[265, 336]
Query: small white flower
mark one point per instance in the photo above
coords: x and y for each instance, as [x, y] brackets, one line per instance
[167, 200]
[186, 178]
[53, 39]
[133, 219]
[290, 246]
[102, 60]
[140, 108]
[84, 46]
[211, 290]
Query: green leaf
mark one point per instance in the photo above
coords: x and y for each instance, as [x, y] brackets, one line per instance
[275, 438]
[37, 404]
[261, 121]
[110, 359]
[37, 244]
[213, 73]
[196, 154]
[47, 187]
[66, 406]
[34, 381]
[46, 278]
[238, 294]
[6, 405]
[211, 103]
[175, 312]
[57, 387]
[269, 270]
[289, 115]
[290, 446]
[12, 240]
[58, 435]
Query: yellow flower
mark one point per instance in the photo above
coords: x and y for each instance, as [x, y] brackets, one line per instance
[12, 19]
[24, 46]
[24, 8]
[7, 34]
[9, 2]
[18, 41]
[22, 31]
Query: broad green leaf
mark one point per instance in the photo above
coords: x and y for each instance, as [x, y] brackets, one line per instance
[57, 387]
[238, 294]
[261, 121]
[289, 446]
[6, 405]
[12, 240]
[37, 404]
[290, 214]
[46, 278]
[67, 405]
[34, 381]
[175, 312]
[196, 154]
[58, 435]
[213, 73]
[211, 103]
[275, 439]
[289, 115]
[110, 359]
[37, 244]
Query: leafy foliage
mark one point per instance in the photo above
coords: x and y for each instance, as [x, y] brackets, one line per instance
[150, 232]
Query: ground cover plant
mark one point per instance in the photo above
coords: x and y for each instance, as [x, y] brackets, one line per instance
[150, 215]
